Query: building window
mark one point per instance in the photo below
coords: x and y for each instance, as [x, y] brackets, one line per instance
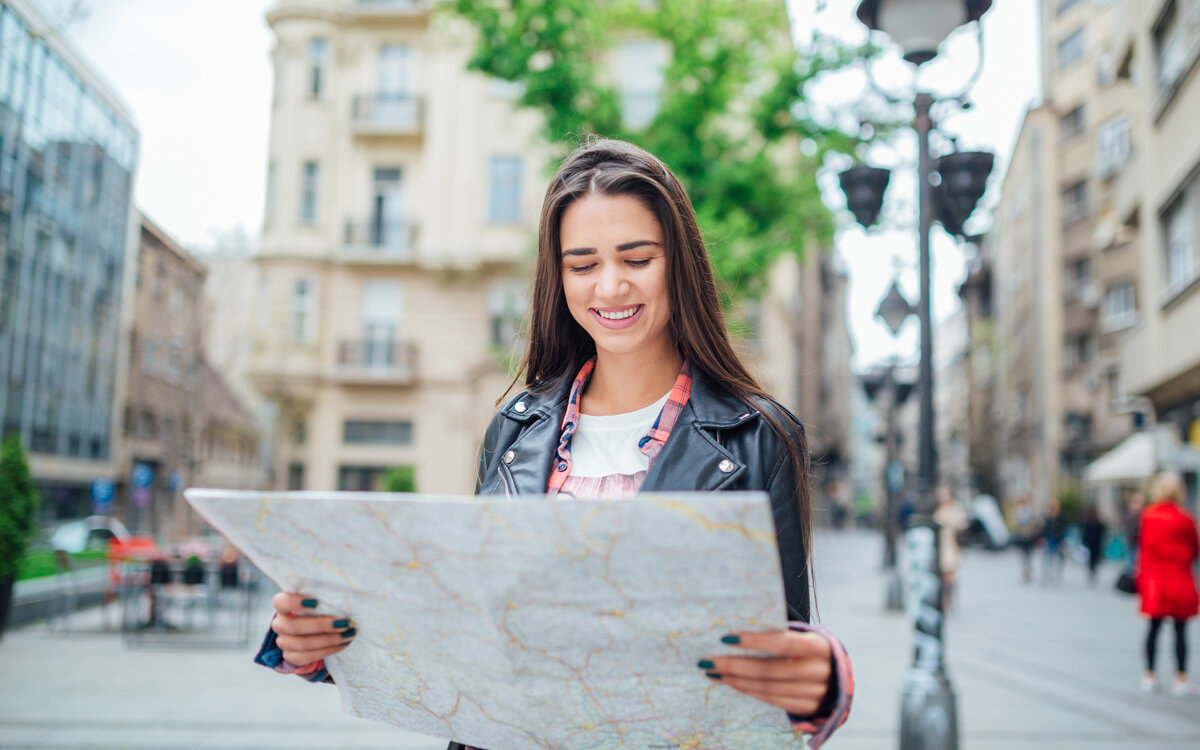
[1072, 124]
[504, 196]
[308, 193]
[389, 213]
[1075, 202]
[1106, 68]
[269, 203]
[1116, 388]
[1120, 309]
[360, 478]
[304, 311]
[150, 355]
[381, 311]
[1113, 146]
[1174, 35]
[318, 65]
[1079, 279]
[506, 308]
[640, 67]
[1181, 244]
[279, 60]
[299, 431]
[1079, 350]
[1070, 50]
[295, 476]
[370, 432]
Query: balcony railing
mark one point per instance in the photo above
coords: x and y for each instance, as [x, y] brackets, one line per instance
[392, 6]
[376, 361]
[380, 240]
[387, 114]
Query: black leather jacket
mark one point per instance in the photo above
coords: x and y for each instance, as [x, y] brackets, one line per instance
[719, 443]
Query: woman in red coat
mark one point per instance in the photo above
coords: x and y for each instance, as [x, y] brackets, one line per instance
[1168, 549]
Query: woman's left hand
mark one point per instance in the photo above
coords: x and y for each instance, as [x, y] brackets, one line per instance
[796, 679]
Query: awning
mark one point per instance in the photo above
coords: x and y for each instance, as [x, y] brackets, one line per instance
[1134, 459]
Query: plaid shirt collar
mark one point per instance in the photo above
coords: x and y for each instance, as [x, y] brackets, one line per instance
[651, 444]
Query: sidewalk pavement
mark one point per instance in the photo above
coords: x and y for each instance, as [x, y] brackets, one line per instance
[1043, 667]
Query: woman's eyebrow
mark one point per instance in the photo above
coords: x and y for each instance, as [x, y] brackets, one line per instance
[620, 248]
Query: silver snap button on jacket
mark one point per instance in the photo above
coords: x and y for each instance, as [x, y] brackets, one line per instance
[726, 466]
[520, 407]
[508, 457]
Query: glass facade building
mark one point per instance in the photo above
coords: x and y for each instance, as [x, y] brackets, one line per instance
[67, 159]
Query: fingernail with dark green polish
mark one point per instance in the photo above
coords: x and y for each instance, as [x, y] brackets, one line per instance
[731, 639]
[349, 633]
[706, 664]
[341, 623]
[712, 675]
[309, 603]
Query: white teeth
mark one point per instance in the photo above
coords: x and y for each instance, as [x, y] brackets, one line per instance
[618, 315]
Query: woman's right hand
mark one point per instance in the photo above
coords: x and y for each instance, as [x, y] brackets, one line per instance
[305, 638]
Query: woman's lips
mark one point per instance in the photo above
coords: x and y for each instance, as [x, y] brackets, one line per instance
[618, 323]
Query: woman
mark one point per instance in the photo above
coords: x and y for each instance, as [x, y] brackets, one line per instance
[1167, 551]
[632, 385]
[951, 521]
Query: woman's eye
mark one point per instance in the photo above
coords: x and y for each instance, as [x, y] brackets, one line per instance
[581, 269]
[638, 263]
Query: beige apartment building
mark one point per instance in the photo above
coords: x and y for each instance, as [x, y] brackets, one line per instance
[402, 199]
[161, 424]
[802, 354]
[1066, 272]
[1158, 209]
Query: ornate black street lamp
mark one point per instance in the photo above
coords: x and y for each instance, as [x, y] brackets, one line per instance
[929, 715]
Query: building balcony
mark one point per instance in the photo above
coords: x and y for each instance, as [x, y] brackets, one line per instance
[391, 7]
[387, 115]
[379, 242]
[376, 362]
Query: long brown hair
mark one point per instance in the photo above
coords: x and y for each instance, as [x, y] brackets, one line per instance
[558, 346]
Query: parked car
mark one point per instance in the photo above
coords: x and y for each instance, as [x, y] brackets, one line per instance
[93, 532]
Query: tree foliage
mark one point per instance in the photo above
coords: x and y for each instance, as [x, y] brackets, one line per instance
[400, 479]
[733, 120]
[18, 506]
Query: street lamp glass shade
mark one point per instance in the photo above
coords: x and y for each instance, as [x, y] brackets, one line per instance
[964, 179]
[864, 187]
[894, 309]
[919, 26]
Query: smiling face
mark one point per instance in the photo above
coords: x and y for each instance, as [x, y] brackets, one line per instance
[614, 275]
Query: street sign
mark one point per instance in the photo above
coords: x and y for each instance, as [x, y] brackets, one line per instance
[143, 475]
[102, 496]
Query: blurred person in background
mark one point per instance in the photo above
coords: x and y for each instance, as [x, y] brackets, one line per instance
[1093, 531]
[1168, 548]
[1130, 521]
[1054, 532]
[1025, 532]
[952, 521]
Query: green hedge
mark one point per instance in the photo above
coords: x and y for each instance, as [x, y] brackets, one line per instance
[40, 563]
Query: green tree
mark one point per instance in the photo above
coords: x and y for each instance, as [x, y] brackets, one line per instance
[18, 506]
[400, 479]
[733, 118]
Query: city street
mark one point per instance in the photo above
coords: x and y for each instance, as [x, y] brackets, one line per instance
[1033, 666]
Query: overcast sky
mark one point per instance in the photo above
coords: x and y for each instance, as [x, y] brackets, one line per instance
[196, 75]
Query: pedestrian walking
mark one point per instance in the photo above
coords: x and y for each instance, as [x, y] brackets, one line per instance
[1093, 531]
[631, 384]
[1053, 536]
[1131, 522]
[1025, 533]
[1168, 548]
[952, 522]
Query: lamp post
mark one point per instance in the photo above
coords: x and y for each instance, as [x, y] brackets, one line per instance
[929, 715]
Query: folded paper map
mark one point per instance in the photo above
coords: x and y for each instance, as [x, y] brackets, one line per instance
[530, 623]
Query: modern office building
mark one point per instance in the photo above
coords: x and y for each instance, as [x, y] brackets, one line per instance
[402, 199]
[68, 152]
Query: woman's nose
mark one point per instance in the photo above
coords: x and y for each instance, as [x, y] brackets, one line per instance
[611, 282]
